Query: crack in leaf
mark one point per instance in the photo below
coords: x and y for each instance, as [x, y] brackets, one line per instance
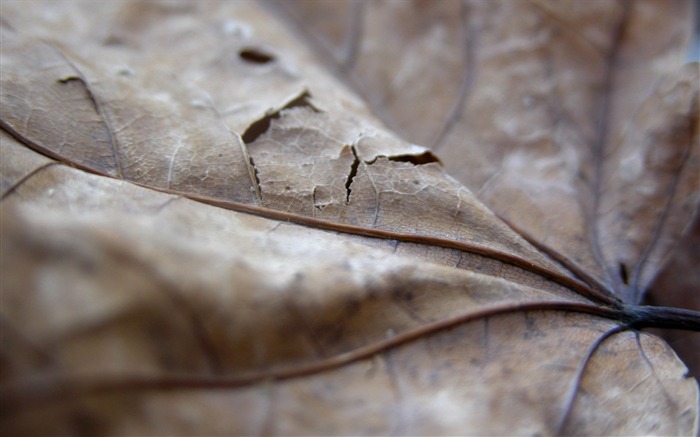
[574, 284]
[426, 157]
[625, 315]
[351, 175]
[258, 190]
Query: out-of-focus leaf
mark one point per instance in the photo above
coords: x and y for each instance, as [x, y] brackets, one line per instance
[577, 122]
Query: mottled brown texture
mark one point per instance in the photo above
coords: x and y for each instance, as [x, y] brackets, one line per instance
[204, 231]
[565, 112]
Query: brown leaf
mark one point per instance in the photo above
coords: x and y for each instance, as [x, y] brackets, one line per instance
[571, 121]
[255, 254]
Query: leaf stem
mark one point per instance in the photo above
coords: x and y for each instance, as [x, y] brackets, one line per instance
[643, 316]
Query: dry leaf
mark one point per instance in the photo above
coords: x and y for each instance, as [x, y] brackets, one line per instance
[677, 285]
[588, 112]
[217, 237]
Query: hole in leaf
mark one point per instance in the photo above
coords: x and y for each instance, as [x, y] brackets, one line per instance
[623, 273]
[255, 56]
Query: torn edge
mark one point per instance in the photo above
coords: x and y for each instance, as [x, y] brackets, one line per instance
[426, 157]
[262, 125]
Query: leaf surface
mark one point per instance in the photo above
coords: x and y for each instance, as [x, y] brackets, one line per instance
[590, 122]
[244, 248]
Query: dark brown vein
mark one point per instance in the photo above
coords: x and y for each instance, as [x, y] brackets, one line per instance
[41, 390]
[573, 390]
[499, 255]
[489, 252]
[652, 369]
[10, 130]
[26, 177]
[596, 286]
[247, 159]
[98, 109]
